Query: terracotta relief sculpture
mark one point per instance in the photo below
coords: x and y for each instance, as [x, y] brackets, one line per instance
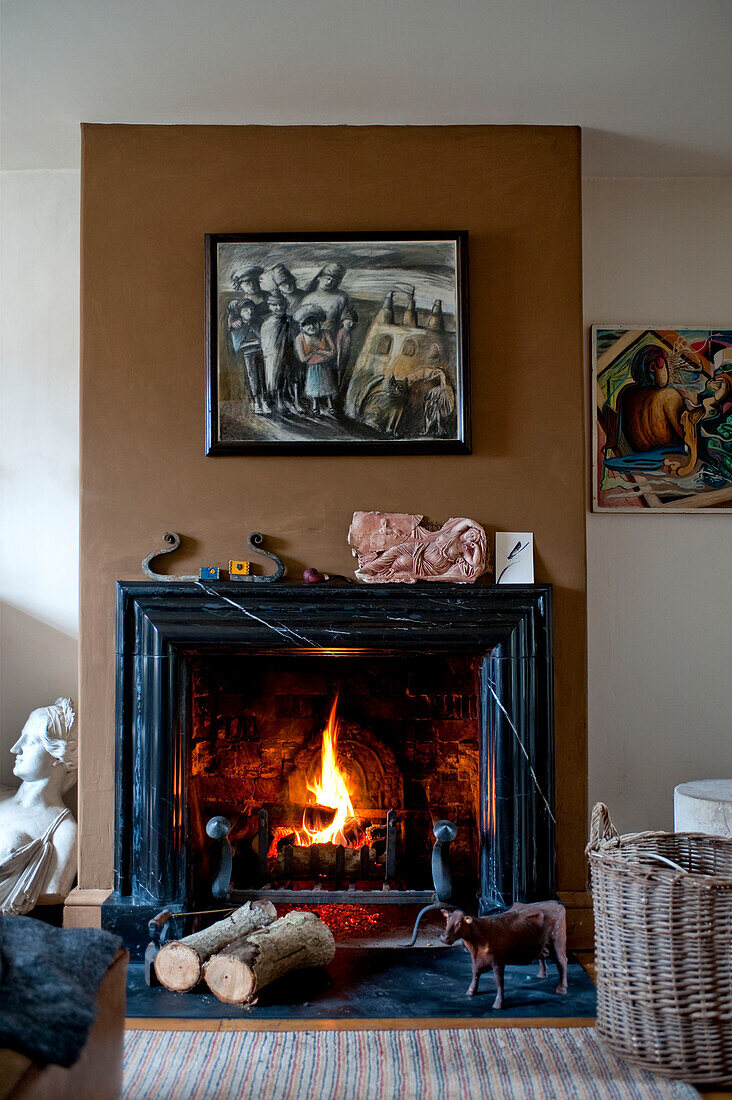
[394, 547]
[37, 831]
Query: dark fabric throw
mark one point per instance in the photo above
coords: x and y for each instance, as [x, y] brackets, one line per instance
[50, 980]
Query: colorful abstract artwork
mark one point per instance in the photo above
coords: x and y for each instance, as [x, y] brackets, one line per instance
[337, 344]
[662, 419]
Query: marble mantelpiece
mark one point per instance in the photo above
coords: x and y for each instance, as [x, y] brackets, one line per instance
[161, 626]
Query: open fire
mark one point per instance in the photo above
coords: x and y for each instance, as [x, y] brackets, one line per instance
[329, 818]
[334, 771]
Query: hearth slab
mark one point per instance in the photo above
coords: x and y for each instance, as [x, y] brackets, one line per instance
[379, 983]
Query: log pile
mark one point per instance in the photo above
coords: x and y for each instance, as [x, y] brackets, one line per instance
[238, 956]
[237, 974]
[178, 965]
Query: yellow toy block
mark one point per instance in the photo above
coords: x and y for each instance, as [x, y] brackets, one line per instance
[238, 568]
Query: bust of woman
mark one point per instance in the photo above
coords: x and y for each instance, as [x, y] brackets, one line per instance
[37, 831]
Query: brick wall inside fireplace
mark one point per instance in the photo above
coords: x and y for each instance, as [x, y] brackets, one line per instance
[409, 738]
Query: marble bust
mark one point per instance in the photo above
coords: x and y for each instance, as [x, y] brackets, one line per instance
[37, 831]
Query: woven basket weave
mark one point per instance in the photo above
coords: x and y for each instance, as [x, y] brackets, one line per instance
[663, 949]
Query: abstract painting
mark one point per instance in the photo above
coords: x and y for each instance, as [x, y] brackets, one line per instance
[662, 436]
[337, 344]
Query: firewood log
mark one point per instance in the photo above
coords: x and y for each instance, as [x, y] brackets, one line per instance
[178, 964]
[316, 818]
[355, 828]
[294, 815]
[237, 973]
[320, 859]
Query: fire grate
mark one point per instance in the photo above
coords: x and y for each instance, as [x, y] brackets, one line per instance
[441, 893]
[365, 870]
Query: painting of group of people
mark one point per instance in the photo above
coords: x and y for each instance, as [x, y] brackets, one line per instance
[663, 429]
[294, 344]
[308, 343]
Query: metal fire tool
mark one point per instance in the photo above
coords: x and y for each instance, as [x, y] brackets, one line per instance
[445, 832]
[160, 929]
[218, 828]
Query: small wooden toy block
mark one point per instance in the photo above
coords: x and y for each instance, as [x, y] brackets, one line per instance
[209, 573]
[238, 569]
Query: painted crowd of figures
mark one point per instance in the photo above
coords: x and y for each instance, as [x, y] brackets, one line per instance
[297, 355]
[294, 344]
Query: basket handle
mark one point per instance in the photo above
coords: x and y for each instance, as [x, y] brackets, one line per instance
[656, 858]
[601, 827]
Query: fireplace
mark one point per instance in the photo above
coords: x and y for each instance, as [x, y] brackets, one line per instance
[331, 771]
[301, 742]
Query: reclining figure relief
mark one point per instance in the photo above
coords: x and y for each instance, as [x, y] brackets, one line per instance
[396, 547]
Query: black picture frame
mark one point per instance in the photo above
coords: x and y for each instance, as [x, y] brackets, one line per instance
[370, 407]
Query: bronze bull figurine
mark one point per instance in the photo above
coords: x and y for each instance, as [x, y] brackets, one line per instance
[520, 935]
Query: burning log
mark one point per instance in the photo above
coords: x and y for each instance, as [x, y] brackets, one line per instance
[283, 841]
[236, 974]
[178, 964]
[294, 815]
[322, 859]
[317, 818]
[355, 830]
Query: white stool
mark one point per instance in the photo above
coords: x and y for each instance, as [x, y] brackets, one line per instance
[704, 806]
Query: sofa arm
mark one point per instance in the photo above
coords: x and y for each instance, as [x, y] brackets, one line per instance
[97, 1075]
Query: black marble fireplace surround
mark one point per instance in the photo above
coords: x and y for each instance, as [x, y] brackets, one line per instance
[161, 628]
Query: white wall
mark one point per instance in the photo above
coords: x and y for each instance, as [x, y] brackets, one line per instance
[660, 602]
[39, 433]
[646, 79]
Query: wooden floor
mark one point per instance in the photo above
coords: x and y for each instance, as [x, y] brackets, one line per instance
[586, 958]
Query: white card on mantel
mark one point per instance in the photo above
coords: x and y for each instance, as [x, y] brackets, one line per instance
[514, 557]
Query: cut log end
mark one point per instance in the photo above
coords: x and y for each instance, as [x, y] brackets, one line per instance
[178, 964]
[178, 967]
[237, 973]
[230, 978]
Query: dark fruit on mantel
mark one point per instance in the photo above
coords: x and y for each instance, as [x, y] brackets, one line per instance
[313, 576]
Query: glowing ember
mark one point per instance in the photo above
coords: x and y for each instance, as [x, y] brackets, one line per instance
[345, 921]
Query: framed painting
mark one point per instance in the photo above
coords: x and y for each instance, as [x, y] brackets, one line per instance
[337, 344]
[662, 419]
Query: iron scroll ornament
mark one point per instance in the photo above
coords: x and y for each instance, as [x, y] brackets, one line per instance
[254, 541]
[173, 541]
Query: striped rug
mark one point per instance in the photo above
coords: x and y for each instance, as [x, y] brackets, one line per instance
[465, 1064]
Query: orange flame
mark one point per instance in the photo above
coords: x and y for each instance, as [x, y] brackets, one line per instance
[331, 788]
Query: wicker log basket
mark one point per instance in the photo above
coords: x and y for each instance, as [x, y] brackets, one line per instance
[663, 944]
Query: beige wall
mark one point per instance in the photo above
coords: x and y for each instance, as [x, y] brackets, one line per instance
[659, 610]
[649, 726]
[148, 196]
